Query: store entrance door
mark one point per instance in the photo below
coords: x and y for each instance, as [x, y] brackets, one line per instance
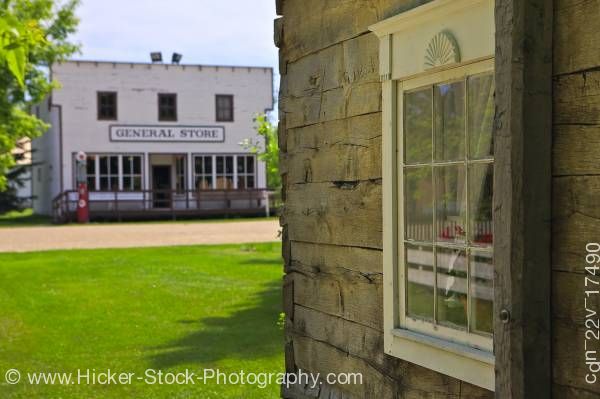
[161, 186]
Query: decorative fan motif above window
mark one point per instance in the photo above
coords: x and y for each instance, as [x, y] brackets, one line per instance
[442, 50]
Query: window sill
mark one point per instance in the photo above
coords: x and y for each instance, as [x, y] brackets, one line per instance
[465, 363]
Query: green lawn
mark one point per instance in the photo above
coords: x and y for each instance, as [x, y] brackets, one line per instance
[129, 310]
[27, 218]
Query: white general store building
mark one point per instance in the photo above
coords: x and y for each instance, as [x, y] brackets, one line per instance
[156, 136]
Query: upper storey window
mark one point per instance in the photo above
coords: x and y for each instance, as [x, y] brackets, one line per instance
[224, 107]
[107, 105]
[167, 107]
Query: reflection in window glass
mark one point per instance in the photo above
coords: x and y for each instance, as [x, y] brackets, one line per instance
[482, 291]
[449, 108]
[448, 203]
[203, 178]
[417, 126]
[418, 196]
[481, 182]
[419, 281]
[451, 204]
[452, 286]
[481, 116]
[224, 172]
[245, 171]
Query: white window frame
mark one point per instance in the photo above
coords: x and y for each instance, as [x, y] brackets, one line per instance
[245, 174]
[132, 175]
[202, 175]
[458, 73]
[223, 174]
[437, 348]
[120, 174]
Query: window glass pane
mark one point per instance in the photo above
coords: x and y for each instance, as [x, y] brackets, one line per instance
[418, 194]
[208, 165]
[127, 165]
[137, 165]
[241, 167]
[104, 183]
[137, 183]
[481, 116]
[91, 165]
[127, 183]
[249, 164]
[450, 199]
[451, 287]
[482, 291]
[417, 126]
[103, 165]
[203, 183]
[114, 165]
[198, 165]
[241, 182]
[250, 182]
[481, 182]
[91, 183]
[114, 183]
[449, 108]
[220, 165]
[419, 281]
[229, 165]
[224, 182]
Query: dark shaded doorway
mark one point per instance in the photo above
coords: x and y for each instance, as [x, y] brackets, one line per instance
[161, 185]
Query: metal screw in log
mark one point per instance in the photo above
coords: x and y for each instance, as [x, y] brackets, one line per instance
[504, 316]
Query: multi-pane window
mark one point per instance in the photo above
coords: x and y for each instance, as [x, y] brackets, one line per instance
[447, 186]
[245, 171]
[114, 172]
[132, 172]
[224, 107]
[109, 172]
[180, 173]
[203, 172]
[224, 166]
[167, 107]
[224, 172]
[107, 105]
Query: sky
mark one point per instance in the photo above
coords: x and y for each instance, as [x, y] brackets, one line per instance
[226, 32]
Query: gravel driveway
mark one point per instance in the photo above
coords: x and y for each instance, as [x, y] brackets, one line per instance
[25, 239]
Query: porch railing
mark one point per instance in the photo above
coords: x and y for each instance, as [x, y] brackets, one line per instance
[143, 203]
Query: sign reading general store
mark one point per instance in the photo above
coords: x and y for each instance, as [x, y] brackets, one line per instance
[164, 133]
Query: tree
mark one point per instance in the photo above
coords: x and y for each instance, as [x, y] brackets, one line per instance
[17, 177]
[269, 153]
[33, 36]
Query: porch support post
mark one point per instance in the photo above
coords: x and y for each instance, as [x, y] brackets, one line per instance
[522, 199]
[189, 175]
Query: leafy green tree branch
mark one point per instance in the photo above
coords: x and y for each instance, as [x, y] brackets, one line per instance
[33, 35]
[267, 151]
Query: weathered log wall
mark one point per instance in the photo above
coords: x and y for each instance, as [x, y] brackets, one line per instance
[330, 136]
[576, 188]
